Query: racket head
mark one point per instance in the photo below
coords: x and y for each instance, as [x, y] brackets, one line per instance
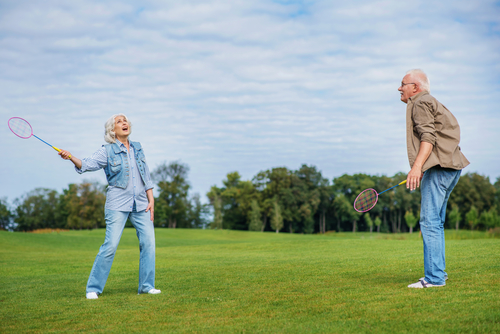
[366, 200]
[20, 127]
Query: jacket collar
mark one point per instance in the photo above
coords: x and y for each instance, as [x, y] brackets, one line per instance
[119, 147]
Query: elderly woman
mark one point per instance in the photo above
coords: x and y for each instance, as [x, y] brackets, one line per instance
[129, 196]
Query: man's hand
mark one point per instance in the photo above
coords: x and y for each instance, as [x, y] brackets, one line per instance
[414, 177]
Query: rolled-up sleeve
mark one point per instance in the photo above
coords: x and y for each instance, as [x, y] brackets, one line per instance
[96, 161]
[148, 183]
[423, 118]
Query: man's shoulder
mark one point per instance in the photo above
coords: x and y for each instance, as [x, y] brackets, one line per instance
[425, 99]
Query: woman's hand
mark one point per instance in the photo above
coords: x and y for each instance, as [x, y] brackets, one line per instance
[151, 207]
[151, 204]
[66, 155]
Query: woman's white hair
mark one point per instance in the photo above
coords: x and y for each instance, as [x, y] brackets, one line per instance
[421, 78]
[109, 128]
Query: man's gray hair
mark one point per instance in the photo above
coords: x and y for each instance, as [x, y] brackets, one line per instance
[421, 78]
[109, 128]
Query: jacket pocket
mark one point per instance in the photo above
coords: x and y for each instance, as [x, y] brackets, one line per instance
[115, 165]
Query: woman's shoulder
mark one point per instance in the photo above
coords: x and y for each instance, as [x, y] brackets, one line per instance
[137, 145]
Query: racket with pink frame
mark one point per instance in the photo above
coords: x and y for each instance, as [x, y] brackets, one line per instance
[22, 128]
[367, 199]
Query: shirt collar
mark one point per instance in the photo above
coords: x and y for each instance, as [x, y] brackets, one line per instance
[414, 97]
[121, 145]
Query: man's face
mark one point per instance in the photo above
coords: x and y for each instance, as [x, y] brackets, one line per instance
[408, 88]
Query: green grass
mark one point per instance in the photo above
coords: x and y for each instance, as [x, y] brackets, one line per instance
[247, 282]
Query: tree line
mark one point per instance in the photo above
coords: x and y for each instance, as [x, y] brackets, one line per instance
[277, 199]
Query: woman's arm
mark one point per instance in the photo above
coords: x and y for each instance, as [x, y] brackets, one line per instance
[66, 156]
[96, 161]
[151, 204]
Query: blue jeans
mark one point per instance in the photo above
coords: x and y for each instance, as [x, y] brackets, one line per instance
[115, 222]
[436, 188]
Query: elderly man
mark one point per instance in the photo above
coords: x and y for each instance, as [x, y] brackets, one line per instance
[432, 136]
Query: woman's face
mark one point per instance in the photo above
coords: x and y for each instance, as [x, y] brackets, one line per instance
[122, 128]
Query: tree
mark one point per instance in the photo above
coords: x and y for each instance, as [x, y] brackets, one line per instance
[490, 219]
[472, 217]
[411, 220]
[82, 205]
[218, 214]
[255, 223]
[314, 191]
[377, 223]
[279, 184]
[172, 205]
[342, 210]
[5, 214]
[36, 210]
[197, 213]
[369, 221]
[277, 218]
[454, 216]
[473, 190]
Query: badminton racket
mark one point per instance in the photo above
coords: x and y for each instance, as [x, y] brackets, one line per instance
[367, 199]
[22, 128]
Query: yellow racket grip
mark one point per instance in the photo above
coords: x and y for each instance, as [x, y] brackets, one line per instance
[402, 182]
[59, 150]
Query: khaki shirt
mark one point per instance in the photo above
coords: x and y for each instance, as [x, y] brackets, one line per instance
[428, 120]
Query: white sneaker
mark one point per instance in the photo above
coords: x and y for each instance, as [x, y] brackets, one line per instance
[92, 295]
[423, 284]
[154, 291]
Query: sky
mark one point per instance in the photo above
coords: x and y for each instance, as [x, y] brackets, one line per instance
[243, 86]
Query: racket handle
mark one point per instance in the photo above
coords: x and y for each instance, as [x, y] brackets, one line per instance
[58, 150]
[402, 182]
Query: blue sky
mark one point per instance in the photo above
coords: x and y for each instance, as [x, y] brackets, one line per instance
[241, 85]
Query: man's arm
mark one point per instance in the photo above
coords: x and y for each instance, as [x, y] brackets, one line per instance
[415, 174]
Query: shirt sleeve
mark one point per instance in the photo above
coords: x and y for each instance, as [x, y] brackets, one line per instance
[423, 120]
[148, 182]
[95, 162]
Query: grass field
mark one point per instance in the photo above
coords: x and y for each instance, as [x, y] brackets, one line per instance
[247, 282]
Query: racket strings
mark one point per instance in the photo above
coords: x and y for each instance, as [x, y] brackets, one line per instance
[20, 127]
[366, 200]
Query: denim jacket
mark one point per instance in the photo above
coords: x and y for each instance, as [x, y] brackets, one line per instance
[117, 169]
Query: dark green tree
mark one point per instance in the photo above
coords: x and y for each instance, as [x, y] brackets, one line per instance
[5, 214]
[368, 221]
[36, 210]
[254, 217]
[86, 206]
[172, 205]
[454, 216]
[277, 218]
[411, 220]
[472, 217]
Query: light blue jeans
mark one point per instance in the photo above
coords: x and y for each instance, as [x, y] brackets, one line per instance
[436, 188]
[115, 223]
